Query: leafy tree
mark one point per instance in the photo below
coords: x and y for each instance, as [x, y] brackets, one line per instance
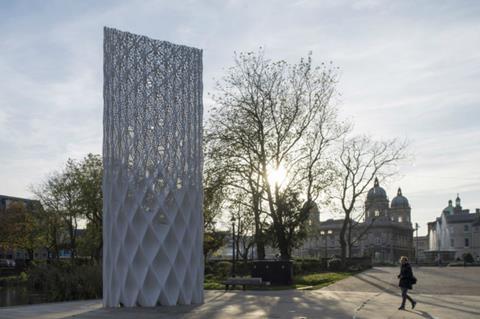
[73, 194]
[212, 241]
[88, 175]
[213, 200]
[21, 227]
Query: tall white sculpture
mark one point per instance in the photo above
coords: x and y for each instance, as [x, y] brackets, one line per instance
[152, 185]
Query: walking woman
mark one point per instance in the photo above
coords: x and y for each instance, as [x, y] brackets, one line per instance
[406, 281]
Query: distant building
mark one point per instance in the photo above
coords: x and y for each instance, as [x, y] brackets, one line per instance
[421, 246]
[40, 253]
[385, 234]
[455, 232]
[14, 252]
[6, 201]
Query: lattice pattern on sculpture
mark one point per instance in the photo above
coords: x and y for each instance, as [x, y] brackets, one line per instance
[153, 222]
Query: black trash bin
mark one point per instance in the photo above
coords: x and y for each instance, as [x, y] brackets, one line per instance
[277, 272]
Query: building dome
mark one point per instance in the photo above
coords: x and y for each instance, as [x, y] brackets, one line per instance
[376, 193]
[400, 201]
[449, 209]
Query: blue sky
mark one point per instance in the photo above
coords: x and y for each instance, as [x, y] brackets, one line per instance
[409, 69]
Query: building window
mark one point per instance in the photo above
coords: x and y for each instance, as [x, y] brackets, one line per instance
[377, 213]
[467, 243]
[465, 227]
[400, 219]
[452, 242]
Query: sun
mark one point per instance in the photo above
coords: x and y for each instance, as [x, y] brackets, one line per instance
[277, 176]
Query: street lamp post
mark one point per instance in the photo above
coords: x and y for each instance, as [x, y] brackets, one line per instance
[324, 234]
[233, 245]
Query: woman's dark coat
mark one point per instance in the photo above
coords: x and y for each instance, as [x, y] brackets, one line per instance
[406, 276]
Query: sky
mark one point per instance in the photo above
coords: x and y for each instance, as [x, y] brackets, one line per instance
[408, 69]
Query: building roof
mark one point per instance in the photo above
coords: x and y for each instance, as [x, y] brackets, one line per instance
[376, 192]
[461, 218]
[5, 198]
[337, 223]
[400, 201]
[331, 222]
[2, 197]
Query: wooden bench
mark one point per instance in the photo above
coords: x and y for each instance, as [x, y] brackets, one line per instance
[233, 281]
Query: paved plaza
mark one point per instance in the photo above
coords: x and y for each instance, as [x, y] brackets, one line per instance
[441, 293]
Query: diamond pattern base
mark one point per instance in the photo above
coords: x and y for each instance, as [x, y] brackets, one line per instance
[152, 155]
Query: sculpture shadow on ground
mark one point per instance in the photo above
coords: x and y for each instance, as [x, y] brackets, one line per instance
[239, 304]
[388, 287]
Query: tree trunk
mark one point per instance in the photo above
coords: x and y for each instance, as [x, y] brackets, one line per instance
[343, 242]
[349, 239]
[259, 242]
[283, 244]
[30, 254]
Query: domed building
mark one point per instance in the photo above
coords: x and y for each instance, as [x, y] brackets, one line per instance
[385, 234]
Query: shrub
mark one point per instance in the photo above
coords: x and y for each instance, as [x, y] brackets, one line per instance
[222, 269]
[23, 277]
[64, 281]
[334, 264]
[209, 267]
[468, 258]
[243, 268]
[308, 266]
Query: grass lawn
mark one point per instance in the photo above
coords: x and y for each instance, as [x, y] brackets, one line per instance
[307, 282]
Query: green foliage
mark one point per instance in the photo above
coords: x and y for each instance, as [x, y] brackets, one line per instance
[213, 283]
[70, 195]
[21, 226]
[66, 281]
[291, 231]
[212, 241]
[310, 281]
[308, 266]
[468, 258]
[13, 280]
[90, 241]
[222, 269]
[319, 280]
[23, 277]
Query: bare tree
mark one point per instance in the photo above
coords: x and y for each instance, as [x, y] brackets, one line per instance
[274, 116]
[360, 161]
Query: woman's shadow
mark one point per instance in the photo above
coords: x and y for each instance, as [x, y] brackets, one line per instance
[421, 313]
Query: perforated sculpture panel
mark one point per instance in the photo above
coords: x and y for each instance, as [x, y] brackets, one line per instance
[152, 155]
